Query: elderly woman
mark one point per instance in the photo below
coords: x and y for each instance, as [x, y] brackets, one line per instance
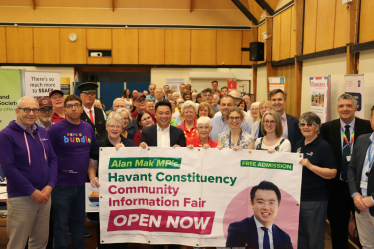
[142, 120]
[318, 165]
[271, 127]
[175, 95]
[114, 139]
[189, 113]
[179, 118]
[235, 138]
[204, 127]
[205, 110]
[127, 119]
[194, 94]
[186, 95]
[263, 107]
[254, 111]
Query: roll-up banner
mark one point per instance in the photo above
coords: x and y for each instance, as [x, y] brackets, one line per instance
[354, 85]
[39, 83]
[196, 197]
[319, 96]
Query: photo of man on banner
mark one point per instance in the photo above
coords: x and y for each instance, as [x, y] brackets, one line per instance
[258, 231]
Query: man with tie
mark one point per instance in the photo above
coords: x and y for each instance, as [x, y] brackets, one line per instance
[361, 186]
[341, 134]
[258, 231]
[92, 114]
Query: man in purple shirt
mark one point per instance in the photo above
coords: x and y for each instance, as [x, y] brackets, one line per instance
[71, 139]
[30, 166]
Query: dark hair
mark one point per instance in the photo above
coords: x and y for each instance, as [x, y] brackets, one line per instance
[245, 105]
[124, 92]
[207, 90]
[265, 185]
[71, 98]
[163, 103]
[186, 92]
[275, 91]
[224, 87]
[214, 81]
[139, 118]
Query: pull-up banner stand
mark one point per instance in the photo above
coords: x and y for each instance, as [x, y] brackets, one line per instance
[319, 96]
[354, 85]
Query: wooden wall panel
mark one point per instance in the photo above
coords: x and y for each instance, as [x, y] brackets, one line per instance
[293, 32]
[366, 21]
[310, 26]
[262, 29]
[340, 34]
[291, 89]
[2, 45]
[99, 39]
[99, 60]
[47, 45]
[325, 25]
[203, 47]
[19, 45]
[285, 40]
[178, 46]
[73, 52]
[247, 38]
[151, 46]
[125, 46]
[229, 47]
[276, 37]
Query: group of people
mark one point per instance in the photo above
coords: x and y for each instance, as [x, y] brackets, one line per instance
[52, 149]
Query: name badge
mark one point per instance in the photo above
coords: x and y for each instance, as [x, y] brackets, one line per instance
[349, 158]
[364, 185]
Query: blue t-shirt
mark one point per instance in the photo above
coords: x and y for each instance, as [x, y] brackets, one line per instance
[72, 144]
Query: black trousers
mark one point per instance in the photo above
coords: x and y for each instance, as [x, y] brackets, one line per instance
[338, 211]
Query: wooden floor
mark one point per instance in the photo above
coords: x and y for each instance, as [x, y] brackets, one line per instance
[91, 242]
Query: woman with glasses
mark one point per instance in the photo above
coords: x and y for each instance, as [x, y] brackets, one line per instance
[114, 125]
[235, 138]
[204, 127]
[142, 120]
[263, 106]
[127, 119]
[318, 165]
[271, 127]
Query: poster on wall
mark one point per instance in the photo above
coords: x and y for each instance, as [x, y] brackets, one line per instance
[39, 84]
[174, 83]
[319, 96]
[65, 85]
[277, 83]
[10, 93]
[354, 85]
[185, 196]
[231, 84]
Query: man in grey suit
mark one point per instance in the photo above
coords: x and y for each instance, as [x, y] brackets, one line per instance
[361, 185]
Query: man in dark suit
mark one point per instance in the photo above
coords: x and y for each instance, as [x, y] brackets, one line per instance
[162, 134]
[253, 232]
[290, 124]
[341, 134]
[92, 114]
[361, 185]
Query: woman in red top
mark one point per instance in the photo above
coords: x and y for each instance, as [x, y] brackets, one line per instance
[142, 120]
[189, 113]
[204, 127]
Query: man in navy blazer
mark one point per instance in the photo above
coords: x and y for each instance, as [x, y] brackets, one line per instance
[258, 231]
[162, 134]
[290, 124]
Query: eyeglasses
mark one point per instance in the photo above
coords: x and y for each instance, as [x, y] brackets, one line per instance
[272, 122]
[114, 127]
[43, 110]
[207, 96]
[56, 97]
[234, 118]
[302, 125]
[71, 106]
[145, 119]
[90, 93]
[28, 110]
[140, 100]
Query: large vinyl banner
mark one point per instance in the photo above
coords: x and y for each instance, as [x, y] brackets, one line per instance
[198, 197]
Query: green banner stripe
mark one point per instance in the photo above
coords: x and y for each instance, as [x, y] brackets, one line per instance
[267, 165]
[145, 162]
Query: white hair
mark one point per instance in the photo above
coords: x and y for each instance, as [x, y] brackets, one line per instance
[176, 93]
[204, 120]
[19, 102]
[119, 99]
[114, 116]
[120, 110]
[187, 104]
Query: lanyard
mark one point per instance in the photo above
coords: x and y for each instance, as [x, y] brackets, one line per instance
[238, 142]
[284, 122]
[346, 139]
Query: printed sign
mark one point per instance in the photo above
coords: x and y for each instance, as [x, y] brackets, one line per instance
[194, 196]
[174, 83]
[354, 85]
[319, 99]
[231, 84]
[39, 84]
